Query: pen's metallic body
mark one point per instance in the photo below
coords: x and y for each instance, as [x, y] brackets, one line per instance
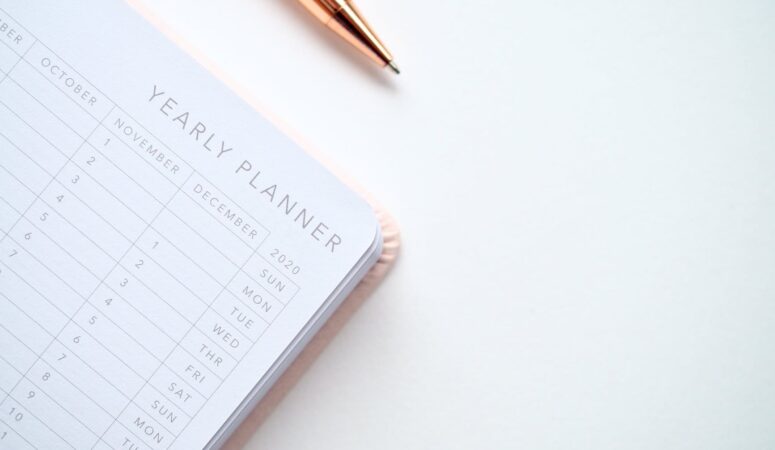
[342, 17]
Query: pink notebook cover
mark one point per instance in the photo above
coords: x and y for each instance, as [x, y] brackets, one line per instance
[391, 245]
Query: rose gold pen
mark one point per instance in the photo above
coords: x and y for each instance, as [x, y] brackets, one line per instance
[343, 18]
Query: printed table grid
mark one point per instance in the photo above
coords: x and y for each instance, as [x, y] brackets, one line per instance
[18, 243]
[118, 199]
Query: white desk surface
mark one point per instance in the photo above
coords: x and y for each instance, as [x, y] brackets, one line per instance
[587, 195]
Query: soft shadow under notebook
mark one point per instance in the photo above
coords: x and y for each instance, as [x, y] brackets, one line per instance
[166, 253]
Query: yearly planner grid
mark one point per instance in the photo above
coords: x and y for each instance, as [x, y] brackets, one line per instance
[106, 235]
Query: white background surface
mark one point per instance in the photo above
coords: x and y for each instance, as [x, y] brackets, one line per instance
[587, 195]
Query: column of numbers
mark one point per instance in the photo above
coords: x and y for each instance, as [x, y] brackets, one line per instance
[43, 283]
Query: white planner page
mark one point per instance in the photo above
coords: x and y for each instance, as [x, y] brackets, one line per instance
[161, 243]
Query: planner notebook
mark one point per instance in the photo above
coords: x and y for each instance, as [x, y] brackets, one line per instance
[165, 251]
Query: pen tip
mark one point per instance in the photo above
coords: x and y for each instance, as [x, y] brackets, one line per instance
[394, 67]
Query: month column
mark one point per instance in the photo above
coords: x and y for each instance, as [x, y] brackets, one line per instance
[54, 254]
[15, 357]
[156, 279]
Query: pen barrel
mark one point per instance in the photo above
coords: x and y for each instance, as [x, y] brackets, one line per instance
[321, 9]
[344, 19]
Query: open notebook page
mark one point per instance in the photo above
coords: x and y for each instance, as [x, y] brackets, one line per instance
[161, 244]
